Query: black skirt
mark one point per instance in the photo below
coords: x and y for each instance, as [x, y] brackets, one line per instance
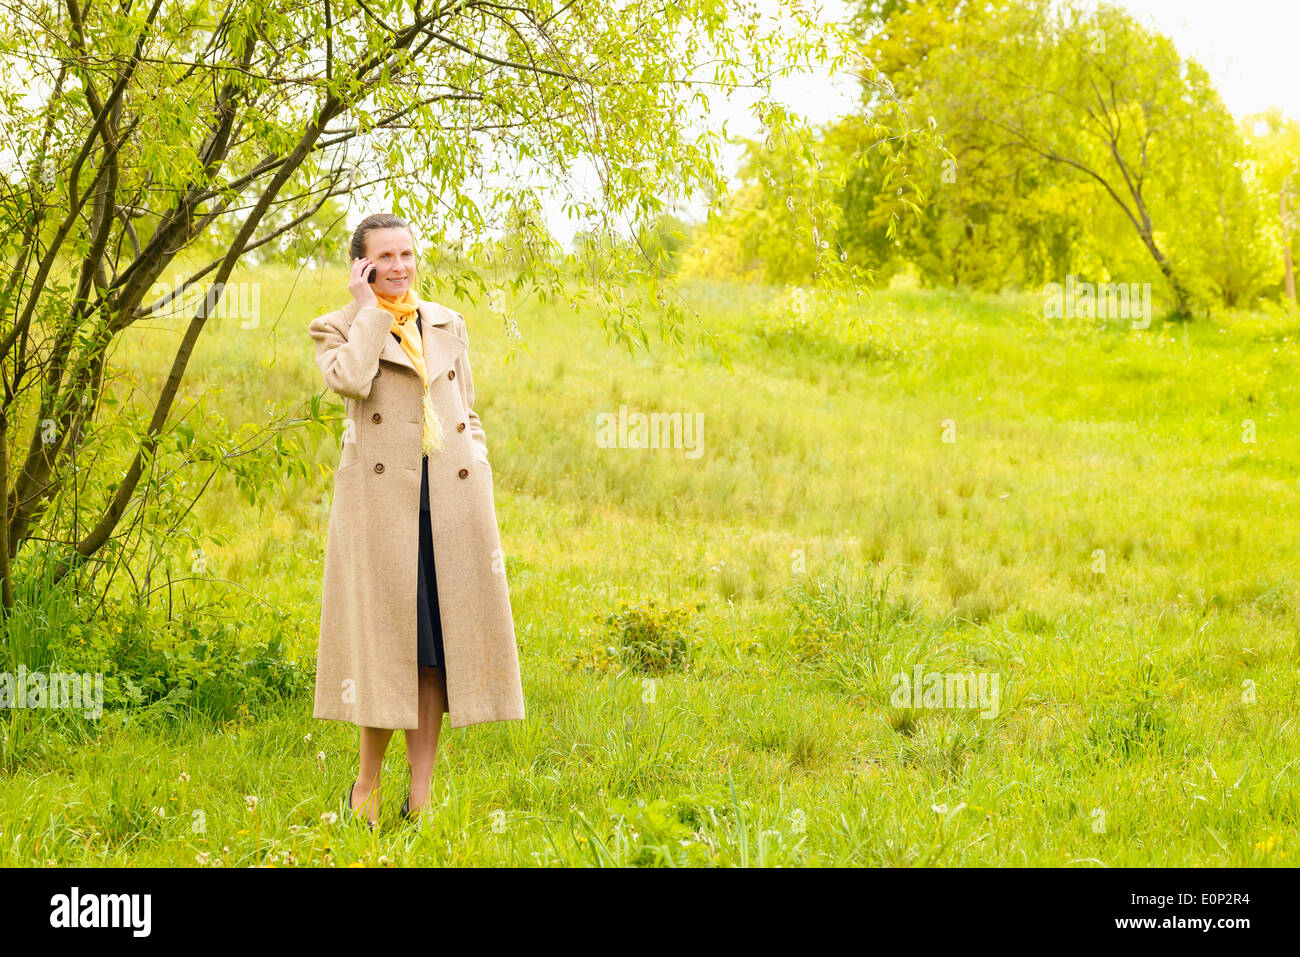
[428, 617]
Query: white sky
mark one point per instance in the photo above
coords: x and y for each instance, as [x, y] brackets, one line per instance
[1249, 46]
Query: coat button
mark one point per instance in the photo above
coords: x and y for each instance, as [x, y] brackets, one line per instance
[451, 373]
[463, 472]
[379, 466]
[376, 418]
[461, 427]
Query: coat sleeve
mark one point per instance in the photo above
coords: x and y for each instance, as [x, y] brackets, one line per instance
[467, 390]
[348, 356]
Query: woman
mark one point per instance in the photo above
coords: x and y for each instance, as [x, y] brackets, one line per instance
[415, 611]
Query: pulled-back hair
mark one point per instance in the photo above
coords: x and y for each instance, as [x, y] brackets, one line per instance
[373, 221]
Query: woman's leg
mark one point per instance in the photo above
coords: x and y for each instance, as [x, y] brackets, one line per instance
[374, 742]
[422, 742]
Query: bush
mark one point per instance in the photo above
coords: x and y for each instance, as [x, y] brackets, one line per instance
[183, 665]
[652, 640]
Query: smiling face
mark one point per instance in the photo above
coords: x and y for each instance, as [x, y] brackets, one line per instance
[393, 254]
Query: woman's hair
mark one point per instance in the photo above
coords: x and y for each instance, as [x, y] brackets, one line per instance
[373, 221]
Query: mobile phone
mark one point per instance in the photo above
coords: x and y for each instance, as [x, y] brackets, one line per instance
[371, 276]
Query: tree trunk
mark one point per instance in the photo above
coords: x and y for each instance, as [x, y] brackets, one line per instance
[6, 579]
[1182, 301]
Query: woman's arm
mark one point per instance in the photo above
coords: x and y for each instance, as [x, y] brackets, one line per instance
[348, 357]
[467, 390]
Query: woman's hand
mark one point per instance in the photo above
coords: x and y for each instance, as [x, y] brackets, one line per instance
[362, 291]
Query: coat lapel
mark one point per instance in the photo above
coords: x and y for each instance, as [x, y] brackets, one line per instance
[441, 345]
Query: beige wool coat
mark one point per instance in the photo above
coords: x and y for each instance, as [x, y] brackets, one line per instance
[366, 661]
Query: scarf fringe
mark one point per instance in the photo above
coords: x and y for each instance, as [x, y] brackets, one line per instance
[433, 440]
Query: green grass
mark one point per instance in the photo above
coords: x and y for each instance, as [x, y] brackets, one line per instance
[827, 539]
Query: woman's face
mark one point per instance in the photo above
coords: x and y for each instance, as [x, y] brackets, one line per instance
[391, 251]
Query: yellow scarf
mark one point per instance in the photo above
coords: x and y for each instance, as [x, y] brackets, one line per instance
[409, 336]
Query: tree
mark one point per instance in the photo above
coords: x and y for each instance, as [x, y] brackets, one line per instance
[786, 221]
[1088, 90]
[1276, 142]
[1226, 231]
[990, 215]
[138, 132]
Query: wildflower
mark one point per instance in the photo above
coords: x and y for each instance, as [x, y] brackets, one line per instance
[250, 801]
[1266, 846]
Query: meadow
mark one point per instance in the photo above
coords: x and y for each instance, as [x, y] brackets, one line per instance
[1105, 518]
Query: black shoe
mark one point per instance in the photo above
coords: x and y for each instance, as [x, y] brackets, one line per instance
[406, 809]
[352, 813]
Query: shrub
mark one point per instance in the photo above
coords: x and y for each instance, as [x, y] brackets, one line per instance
[190, 664]
[652, 640]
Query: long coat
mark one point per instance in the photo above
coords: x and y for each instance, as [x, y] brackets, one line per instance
[366, 661]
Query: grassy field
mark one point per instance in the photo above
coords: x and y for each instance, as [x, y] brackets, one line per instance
[962, 485]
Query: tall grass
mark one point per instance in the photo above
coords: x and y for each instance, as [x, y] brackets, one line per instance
[1097, 534]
